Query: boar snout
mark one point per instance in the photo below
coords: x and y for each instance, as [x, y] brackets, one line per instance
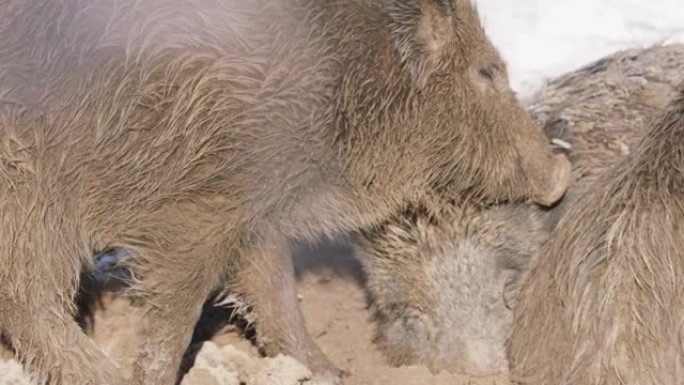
[484, 359]
[553, 184]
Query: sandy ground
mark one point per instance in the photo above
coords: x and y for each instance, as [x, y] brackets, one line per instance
[332, 299]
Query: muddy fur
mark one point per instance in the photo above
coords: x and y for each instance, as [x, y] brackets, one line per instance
[440, 278]
[603, 304]
[203, 135]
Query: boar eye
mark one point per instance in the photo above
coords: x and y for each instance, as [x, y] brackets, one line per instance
[487, 73]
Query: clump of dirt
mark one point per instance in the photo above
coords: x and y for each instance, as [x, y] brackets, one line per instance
[230, 366]
[330, 289]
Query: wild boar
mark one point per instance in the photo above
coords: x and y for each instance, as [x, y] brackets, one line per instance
[603, 303]
[442, 281]
[203, 135]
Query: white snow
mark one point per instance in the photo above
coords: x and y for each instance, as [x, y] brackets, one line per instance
[545, 38]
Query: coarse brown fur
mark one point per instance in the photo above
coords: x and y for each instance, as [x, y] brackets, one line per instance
[422, 257]
[203, 135]
[601, 111]
[441, 280]
[604, 303]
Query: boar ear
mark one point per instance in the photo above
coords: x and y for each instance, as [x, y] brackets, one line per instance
[420, 30]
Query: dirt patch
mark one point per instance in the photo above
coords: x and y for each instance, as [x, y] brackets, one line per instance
[231, 366]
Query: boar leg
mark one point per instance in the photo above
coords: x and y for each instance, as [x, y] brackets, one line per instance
[174, 287]
[53, 347]
[266, 279]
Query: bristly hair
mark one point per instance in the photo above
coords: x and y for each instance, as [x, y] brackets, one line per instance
[420, 29]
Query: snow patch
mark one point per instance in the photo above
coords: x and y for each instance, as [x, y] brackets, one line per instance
[541, 39]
